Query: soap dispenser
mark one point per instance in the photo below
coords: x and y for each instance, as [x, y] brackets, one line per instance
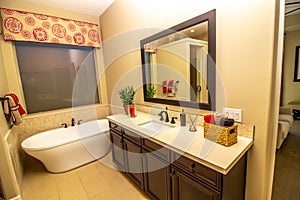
[182, 118]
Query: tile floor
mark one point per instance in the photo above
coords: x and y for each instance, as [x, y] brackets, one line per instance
[98, 180]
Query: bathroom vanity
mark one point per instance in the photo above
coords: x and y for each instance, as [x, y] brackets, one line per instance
[170, 162]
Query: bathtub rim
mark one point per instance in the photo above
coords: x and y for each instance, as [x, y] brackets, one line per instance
[61, 142]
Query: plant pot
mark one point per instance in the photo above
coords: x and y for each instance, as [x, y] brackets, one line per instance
[126, 108]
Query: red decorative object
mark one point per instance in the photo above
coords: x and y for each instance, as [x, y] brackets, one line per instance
[132, 110]
[13, 25]
[55, 19]
[80, 23]
[93, 35]
[26, 34]
[41, 17]
[40, 34]
[58, 30]
[209, 119]
[55, 41]
[22, 12]
[30, 21]
[83, 31]
[46, 25]
[79, 38]
[72, 27]
[8, 36]
[68, 38]
[34, 27]
[8, 11]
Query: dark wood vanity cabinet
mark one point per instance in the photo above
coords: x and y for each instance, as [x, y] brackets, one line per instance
[116, 138]
[185, 186]
[156, 170]
[133, 157]
[166, 175]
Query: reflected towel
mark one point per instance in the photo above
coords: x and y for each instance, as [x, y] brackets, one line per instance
[170, 86]
[165, 85]
[13, 109]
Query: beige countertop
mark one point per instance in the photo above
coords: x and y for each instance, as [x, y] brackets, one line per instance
[192, 144]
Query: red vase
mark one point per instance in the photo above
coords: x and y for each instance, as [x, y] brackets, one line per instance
[132, 110]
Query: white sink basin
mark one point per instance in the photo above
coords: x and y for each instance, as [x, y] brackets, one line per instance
[155, 126]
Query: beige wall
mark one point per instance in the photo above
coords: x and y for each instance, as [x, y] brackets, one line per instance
[245, 61]
[11, 174]
[292, 39]
[8, 178]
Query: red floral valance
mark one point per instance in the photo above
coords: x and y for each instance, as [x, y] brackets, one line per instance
[27, 26]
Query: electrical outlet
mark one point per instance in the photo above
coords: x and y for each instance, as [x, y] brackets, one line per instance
[233, 113]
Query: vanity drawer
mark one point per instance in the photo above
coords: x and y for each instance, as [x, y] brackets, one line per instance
[133, 137]
[115, 127]
[199, 171]
[157, 149]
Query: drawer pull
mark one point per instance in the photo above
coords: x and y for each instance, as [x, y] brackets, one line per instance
[192, 166]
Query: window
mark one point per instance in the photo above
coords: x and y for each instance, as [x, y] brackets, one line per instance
[56, 76]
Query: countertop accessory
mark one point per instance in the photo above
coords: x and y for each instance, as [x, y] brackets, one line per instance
[193, 127]
[226, 136]
[182, 118]
[173, 120]
[226, 122]
[209, 118]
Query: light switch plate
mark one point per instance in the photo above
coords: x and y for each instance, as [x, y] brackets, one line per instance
[233, 113]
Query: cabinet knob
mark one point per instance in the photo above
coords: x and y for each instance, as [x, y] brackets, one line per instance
[192, 166]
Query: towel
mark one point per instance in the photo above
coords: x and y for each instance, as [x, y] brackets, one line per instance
[13, 110]
[170, 86]
[164, 83]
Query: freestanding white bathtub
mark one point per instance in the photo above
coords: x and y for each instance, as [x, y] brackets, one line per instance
[64, 149]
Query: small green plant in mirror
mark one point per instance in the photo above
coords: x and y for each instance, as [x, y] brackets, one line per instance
[127, 95]
[151, 91]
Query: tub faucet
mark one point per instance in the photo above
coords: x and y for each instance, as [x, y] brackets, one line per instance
[73, 122]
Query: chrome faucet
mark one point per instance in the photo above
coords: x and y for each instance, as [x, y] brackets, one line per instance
[162, 117]
[73, 122]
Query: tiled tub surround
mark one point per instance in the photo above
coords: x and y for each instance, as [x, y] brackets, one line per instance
[191, 144]
[39, 122]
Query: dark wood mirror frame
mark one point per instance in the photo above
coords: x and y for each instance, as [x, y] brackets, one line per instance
[297, 65]
[211, 61]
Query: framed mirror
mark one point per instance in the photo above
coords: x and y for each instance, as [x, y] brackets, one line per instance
[178, 64]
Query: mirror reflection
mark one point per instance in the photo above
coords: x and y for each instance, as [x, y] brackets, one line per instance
[177, 65]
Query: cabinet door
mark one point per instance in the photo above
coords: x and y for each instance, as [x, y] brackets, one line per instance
[184, 187]
[156, 177]
[134, 162]
[117, 150]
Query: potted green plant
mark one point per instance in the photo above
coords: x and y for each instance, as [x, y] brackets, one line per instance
[127, 96]
[151, 91]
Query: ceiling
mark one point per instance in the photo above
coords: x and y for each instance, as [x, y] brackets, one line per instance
[97, 7]
[292, 7]
[90, 7]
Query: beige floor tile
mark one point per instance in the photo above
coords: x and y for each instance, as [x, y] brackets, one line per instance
[39, 186]
[92, 180]
[132, 194]
[107, 195]
[70, 187]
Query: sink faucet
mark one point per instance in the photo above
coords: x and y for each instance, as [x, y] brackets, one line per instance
[73, 122]
[162, 117]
